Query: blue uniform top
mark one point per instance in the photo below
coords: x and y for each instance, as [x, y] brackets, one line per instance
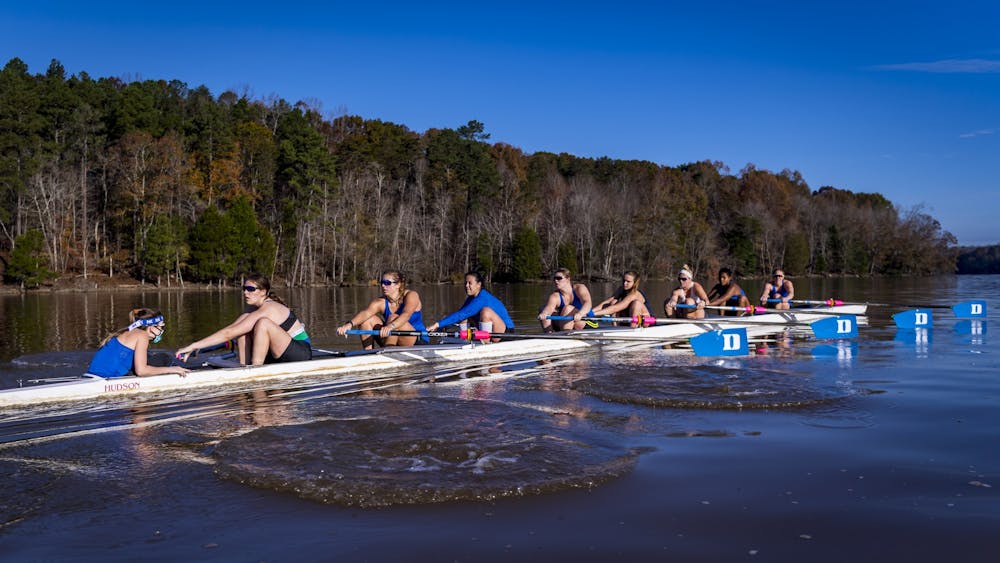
[577, 303]
[778, 292]
[416, 319]
[473, 305]
[114, 359]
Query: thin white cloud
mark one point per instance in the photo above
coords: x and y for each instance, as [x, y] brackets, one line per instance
[979, 133]
[948, 66]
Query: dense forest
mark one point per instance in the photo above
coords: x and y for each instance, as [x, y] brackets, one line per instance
[168, 183]
[979, 260]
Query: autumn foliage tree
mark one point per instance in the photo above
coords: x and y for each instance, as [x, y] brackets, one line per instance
[171, 183]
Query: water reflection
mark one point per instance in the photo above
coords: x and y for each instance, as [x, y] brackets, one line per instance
[380, 453]
[843, 352]
[919, 339]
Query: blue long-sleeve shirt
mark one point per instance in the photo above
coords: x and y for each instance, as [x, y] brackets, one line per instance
[472, 307]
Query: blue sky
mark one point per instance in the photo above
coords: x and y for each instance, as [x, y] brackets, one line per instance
[900, 98]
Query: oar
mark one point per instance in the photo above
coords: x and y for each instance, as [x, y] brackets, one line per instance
[178, 360]
[974, 309]
[751, 309]
[464, 335]
[227, 345]
[728, 342]
[474, 334]
[758, 309]
[922, 317]
[829, 302]
[915, 318]
[650, 321]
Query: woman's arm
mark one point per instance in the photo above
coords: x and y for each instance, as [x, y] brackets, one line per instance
[611, 306]
[242, 325]
[142, 368]
[586, 301]
[361, 316]
[471, 308]
[767, 291]
[791, 291]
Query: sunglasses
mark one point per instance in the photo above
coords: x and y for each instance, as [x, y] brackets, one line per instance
[250, 288]
[683, 279]
[779, 275]
[388, 282]
[558, 278]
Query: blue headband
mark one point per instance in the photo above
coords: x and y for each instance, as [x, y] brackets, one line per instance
[146, 322]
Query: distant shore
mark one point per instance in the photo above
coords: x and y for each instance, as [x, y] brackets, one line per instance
[99, 282]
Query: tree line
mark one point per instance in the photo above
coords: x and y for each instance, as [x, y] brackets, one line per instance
[979, 260]
[169, 183]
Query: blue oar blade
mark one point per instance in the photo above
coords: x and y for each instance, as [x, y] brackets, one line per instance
[970, 310]
[916, 318]
[727, 342]
[841, 326]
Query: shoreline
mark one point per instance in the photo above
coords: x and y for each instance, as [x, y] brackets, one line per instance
[103, 283]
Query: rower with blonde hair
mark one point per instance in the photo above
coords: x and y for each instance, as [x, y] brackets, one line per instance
[628, 300]
[688, 292]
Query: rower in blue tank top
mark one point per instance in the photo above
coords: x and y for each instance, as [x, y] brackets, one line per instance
[728, 293]
[779, 288]
[580, 304]
[399, 309]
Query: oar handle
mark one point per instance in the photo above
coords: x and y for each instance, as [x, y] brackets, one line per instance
[829, 302]
[227, 345]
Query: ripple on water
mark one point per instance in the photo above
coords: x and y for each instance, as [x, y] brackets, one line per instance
[712, 386]
[391, 452]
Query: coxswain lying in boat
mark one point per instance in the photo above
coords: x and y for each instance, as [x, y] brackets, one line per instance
[481, 308]
[266, 332]
[127, 349]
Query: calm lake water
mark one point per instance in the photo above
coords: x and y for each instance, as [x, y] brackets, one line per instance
[886, 447]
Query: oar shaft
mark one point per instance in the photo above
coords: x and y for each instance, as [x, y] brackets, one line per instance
[829, 302]
[752, 309]
[428, 333]
[650, 321]
[643, 321]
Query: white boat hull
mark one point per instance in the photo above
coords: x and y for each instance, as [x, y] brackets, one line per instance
[758, 326]
[94, 387]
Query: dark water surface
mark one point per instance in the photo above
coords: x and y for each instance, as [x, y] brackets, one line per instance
[885, 447]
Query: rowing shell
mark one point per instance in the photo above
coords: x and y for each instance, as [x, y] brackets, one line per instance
[758, 326]
[94, 387]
